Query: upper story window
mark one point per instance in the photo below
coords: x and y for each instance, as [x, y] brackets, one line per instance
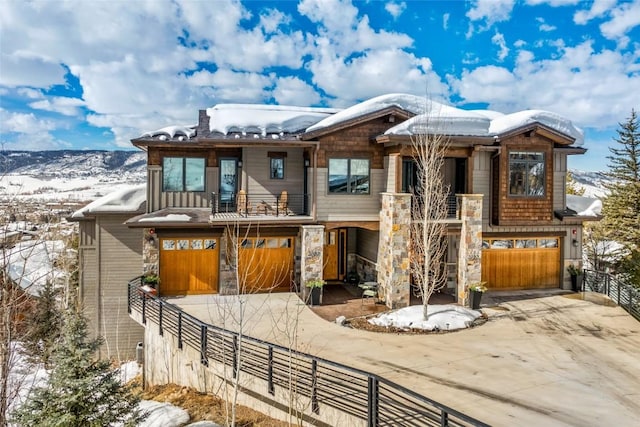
[183, 174]
[527, 171]
[350, 176]
[276, 168]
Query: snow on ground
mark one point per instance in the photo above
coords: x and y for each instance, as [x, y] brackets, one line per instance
[26, 187]
[163, 414]
[31, 263]
[445, 317]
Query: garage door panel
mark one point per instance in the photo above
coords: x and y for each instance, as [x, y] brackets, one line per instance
[265, 264]
[188, 266]
[509, 267]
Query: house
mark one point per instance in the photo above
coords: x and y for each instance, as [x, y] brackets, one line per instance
[280, 195]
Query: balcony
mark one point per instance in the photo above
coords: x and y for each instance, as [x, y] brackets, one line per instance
[262, 206]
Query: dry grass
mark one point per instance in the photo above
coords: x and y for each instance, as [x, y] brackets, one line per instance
[206, 407]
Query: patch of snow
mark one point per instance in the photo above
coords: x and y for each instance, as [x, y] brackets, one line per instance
[441, 317]
[31, 263]
[584, 206]
[171, 131]
[167, 218]
[445, 120]
[263, 119]
[412, 103]
[128, 371]
[128, 199]
[162, 414]
[517, 120]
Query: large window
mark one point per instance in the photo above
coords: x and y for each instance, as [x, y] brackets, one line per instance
[526, 173]
[182, 174]
[349, 176]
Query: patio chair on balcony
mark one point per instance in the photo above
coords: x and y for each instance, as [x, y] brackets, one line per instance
[243, 206]
[283, 203]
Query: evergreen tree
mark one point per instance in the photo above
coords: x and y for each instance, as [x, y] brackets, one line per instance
[82, 391]
[43, 326]
[621, 208]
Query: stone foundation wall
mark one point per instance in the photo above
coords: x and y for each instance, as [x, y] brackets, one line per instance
[311, 255]
[150, 252]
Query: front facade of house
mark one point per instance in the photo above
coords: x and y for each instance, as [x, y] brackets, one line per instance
[282, 195]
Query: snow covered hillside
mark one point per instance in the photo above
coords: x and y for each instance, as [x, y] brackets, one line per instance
[55, 176]
[592, 182]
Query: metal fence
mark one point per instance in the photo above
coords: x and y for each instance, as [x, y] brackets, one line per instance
[624, 294]
[357, 393]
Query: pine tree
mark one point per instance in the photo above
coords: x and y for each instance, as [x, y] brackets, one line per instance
[82, 390]
[43, 326]
[621, 208]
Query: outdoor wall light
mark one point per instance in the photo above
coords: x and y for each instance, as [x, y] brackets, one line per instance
[307, 163]
[575, 242]
[239, 163]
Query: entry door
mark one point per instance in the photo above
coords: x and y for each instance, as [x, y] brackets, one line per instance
[335, 254]
[228, 183]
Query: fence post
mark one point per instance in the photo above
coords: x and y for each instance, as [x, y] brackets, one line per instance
[372, 401]
[619, 292]
[444, 418]
[203, 345]
[180, 330]
[270, 386]
[160, 310]
[314, 387]
[144, 310]
[129, 298]
[235, 356]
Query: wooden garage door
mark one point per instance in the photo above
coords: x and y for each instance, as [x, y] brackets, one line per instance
[189, 265]
[265, 264]
[521, 263]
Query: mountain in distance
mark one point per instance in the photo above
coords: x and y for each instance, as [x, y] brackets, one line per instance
[68, 175]
[86, 175]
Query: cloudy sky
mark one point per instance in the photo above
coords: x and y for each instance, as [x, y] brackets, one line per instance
[94, 74]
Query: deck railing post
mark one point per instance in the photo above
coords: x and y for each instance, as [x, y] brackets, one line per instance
[144, 310]
[314, 387]
[444, 418]
[160, 310]
[234, 343]
[270, 386]
[129, 298]
[372, 401]
[203, 345]
[180, 330]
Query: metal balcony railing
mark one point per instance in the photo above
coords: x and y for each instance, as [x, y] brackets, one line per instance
[254, 204]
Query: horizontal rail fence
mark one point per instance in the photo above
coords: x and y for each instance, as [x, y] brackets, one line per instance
[624, 294]
[360, 394]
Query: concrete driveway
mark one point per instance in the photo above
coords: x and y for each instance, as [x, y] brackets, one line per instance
[538, 361]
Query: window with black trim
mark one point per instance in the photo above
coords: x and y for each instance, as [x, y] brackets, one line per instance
[183, 174]
[277, 168]
[527, 172]
[349, 176]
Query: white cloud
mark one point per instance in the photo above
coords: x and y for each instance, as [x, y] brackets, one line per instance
[598, 9]
[491, 11]
[26, 123]
[59, 104]
[21, 69]
[544, 27]
[553, 3]
[395, 9]
[623, 18]
[294, 91]
[498, 40]
[592, 88]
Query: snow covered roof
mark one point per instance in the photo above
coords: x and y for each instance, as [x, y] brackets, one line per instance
[128, 199]
[412, 103]
[171, 131]
[444, 119]
[264, 119]
[508, 122]
[584, 206]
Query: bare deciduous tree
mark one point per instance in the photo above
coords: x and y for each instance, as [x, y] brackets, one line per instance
[428, 246]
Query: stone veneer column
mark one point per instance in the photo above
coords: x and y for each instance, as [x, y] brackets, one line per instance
[470, 251]
[311, 262]
[150, 254]
[393, 249]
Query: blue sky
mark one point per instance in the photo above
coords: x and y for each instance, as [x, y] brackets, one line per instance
[94, 74]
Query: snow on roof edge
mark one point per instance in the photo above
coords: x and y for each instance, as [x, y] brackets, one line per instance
[128, 199]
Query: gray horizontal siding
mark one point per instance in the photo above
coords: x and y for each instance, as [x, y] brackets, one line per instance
[159, 199]
[120, 261]
[343, 207]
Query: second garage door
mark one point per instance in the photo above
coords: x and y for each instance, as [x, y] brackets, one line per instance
[521, 263]
[265, 264]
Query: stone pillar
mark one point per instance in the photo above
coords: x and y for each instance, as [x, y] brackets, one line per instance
[150, 253]
[393, 250]
[470, 252]
[311, 255]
